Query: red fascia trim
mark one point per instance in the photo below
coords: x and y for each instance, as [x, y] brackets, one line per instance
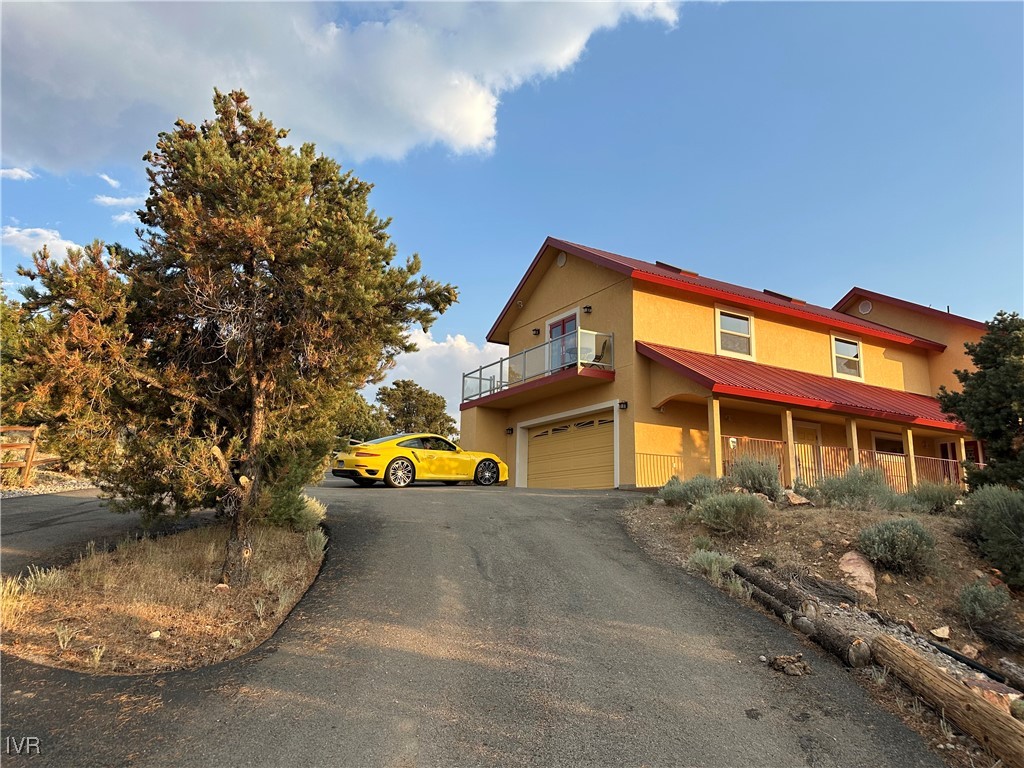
[823, 405]
[744, 301]
[855, 291]
[571, 373]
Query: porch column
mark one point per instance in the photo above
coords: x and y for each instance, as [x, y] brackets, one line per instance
[851, 441]
[961, 457]
[788, 449]
[908, 443]
[715, 436]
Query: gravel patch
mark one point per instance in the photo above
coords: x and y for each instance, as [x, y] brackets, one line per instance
[46, 482]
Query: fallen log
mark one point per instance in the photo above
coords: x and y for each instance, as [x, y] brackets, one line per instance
[790, 594]
[784, 612]
[854, 651]
[996, 731]
[1014, 673]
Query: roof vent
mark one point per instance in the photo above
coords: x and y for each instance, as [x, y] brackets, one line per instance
[674, 268]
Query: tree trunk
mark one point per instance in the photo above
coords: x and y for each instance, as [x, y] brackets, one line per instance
[789, 594]
[238, 551]
[999, 733]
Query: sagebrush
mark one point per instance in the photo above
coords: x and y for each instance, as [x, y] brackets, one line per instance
[686, 493]
[757, 476]
[862, 487]
[900, 546]
[734, 514]
[995, 521]
[982, 605]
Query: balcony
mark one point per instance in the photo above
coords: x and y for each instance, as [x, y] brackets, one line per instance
[578, 357]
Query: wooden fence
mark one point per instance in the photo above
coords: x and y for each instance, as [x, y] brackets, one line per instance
[28, 450]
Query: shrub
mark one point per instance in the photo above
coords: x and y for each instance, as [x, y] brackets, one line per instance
[316, 543]
[859, 487]
[731, 514]
[901, 546]
[937, 498]
[689, 492]
[702, 542]
[302, 513]
[710, 564]
[996, 518]
[757, 476]
[982, 605]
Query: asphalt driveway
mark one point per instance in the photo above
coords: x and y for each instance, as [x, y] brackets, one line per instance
[468, 626]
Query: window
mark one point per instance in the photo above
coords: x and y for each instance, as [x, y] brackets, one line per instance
[846, 360]
[735, 333]
[887, 443]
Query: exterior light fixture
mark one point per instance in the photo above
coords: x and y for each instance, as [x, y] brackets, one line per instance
[587, 309]
[623, 405]
[509, 431]
[535, 331]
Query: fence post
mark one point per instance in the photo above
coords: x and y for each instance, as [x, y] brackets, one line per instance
[30, 454]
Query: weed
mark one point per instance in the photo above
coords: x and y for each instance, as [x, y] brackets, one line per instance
[733, 514]
[702, 542]
[65, 635]
[982, 605]
[710, 564]
[97, 652]
[917, 706]
[901, 546]
[316, 543]
[947, 729]
[737, 587]
[12, 603]
[757, 476]
[1017, 709]
[880, 676]
[43, 580]
[260, 606]
[692, 491]
[285, 600]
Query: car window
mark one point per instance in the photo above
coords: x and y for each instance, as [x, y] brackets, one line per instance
[442, 445]
[413, 443]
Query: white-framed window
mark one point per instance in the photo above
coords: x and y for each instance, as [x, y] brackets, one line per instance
[847, 360]
[734, 333]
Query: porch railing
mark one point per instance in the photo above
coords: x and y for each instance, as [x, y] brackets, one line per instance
[653, 470]
[579, 349]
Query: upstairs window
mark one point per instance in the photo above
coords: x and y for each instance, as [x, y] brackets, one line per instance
[735, 333]
[846, 359]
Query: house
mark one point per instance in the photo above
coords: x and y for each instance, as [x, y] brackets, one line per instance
[622, 373]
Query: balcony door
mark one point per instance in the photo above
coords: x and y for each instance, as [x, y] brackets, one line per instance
[562, 335]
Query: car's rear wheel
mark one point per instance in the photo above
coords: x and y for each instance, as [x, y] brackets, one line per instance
[399, 473]
[363, 482]
[486, 472]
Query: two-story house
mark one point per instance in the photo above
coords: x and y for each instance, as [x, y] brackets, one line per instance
[622, 373]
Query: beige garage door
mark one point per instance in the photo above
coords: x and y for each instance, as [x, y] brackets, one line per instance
[576, 453]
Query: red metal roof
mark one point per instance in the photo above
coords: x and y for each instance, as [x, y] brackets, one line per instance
[743, 378]
[663, 274]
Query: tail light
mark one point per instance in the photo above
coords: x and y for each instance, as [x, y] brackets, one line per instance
[365, 455]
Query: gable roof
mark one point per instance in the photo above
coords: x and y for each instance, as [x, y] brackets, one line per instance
[854, 293]
[743, 378]
[690, 282]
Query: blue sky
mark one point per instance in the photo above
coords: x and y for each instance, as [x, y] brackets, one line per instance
[804, 148]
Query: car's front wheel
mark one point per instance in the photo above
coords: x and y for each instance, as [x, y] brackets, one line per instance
[399, 473]
[363, 482]
[486, 472]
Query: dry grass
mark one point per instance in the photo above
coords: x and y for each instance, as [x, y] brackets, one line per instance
[101, 613]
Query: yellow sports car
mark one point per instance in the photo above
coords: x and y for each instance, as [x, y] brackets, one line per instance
[400, 460]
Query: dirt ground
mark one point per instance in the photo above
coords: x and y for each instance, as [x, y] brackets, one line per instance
[814, 539]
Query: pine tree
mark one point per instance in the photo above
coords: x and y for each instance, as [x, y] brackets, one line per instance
[408, 407]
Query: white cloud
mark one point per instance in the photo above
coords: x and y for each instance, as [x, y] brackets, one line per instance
[117, 201]
[112, 182]
[376, 79]
[28, 240]
[439, 365]
[124, 217]
[16, 174]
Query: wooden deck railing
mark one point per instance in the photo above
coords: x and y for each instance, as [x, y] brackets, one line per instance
[27, 449]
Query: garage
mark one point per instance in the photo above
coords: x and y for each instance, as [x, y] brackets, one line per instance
[573, 453]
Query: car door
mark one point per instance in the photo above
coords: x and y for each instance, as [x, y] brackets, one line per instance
[424, 458]
[453, 463]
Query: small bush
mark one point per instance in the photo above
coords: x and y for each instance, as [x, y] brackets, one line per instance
[995, 516]
[689, 492]
[859, 487]
[937, 498]
[313, 513]
[732, 514]
[901, 546]
[757, 476]
[316, 543]
[710, 564]
[982, 605]
[702, 542]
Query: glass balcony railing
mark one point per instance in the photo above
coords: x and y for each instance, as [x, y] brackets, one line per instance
[579, 349]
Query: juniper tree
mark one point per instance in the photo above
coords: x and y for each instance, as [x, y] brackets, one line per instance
[408, 407]
[208, 367]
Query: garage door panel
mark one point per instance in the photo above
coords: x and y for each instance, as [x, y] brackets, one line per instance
[573, 454]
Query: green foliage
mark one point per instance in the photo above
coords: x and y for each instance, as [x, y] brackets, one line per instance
[702, 542]
[316, 543]
[937, 498]
[734, 514]
[712, 565]
[995, 521]
[360, 421]
[408, 407]
[299, 512]
[757, 476]
[900, 546]
[991, 401]
[982, 605]
[860, 487]
[211, 366]
[686, 493]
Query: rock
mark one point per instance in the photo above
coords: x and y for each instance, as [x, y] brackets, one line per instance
[763, 659]
[222, 588]
[817, 544]
[845, 542]
[859, 573]
[969, 651]
[768, 502]
[794, 499]
[940, 632]
[154, 635]
[911, 599]
[794, 666]
[887, 579]
[979, 574]
[659, 502]
[928, 580]
[1001, 695]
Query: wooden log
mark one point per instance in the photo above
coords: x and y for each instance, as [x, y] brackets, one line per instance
[854, 651]
[790, 594]
[996, 731]
[784, 612]
[1014, 673]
